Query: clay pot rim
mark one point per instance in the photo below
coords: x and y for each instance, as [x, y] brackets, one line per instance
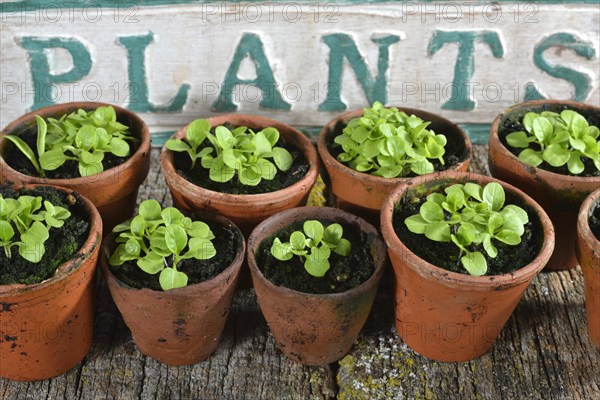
[454, 279]
[377, 180]
[188, 290]
[63, 108]
[583, 225]
[69, 267]
[545, 174]
[319, 213]
[307, 149]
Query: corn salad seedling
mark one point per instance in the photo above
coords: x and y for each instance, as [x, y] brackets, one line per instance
[469, 215]
[314, 246]
[158, 239]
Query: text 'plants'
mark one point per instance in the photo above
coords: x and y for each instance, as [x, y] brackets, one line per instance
[470, 215]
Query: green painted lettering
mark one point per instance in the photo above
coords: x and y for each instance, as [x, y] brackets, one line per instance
[343, 46]
[138, 85]
[250, 45]
[464, 68]
[580, 81]
[43, 79]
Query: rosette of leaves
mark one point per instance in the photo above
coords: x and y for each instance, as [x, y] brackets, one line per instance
[82, 136]
[25, 224]
[389, 143]
[158, 239]
[314, 246]
[557, 139]
[251, 156]
[470, 216]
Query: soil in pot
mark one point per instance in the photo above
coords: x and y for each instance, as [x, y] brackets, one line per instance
[446, 255]
[344, 274]
[69, 170]
[199, 176]
[594, 221]
[513, 122]
[454, 154]
[226, 243]
[60, 246]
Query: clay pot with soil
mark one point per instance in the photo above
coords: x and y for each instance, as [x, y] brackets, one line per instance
[364, 193]
[559, 191]
[588, 254]
[111, 183]
[315, 271]
[257, 181]
[173, 278]
[49, 244]
[464, 247]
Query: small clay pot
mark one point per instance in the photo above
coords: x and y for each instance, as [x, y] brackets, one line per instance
[47, 328]
[560, 195]
[113, 191]
[588, 254]
[315, 329]
[448, 316]
[245, 210]
[363, 193]
[181, 326]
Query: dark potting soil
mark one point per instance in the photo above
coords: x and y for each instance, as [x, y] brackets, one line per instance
[199, 176]
[227, 241]
[594, 220]
[446, 255]
[69, 170]
[513, 122]
[344, 273]
[62, 244]
[455, 150]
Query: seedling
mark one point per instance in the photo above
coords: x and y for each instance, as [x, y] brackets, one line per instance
[240, 152]
[24, 224]
[557, 139]
[314, 246]
[470, 216]
[389, 143]
[84, 137]
[158, 239]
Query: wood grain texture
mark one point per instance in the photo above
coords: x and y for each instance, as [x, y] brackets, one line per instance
[542, 353]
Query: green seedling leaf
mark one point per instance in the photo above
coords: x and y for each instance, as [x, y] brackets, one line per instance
[150, 210]
[438, 231]
[175, 238]
[314, 230]
[493, 195]
[317, 262]
[474, 263]
[172, 279]
[282, 251]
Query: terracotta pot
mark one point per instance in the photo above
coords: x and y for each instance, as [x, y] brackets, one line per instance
[363, 193]
[447, 316]
[113, 191]
[180, 326]
[588, 254]
[560, 195]
[47, 328]
[244, 210]
[315, 329]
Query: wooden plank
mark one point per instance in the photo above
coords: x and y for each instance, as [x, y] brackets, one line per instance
[300, 62]
[542, 353]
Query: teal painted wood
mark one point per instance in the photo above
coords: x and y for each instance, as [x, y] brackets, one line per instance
[32, 5]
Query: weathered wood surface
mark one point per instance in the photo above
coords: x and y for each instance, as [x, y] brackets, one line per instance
[542, 353]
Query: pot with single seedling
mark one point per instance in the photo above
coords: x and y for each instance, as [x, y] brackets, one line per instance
[369, 152]
[49, 244]
[588, 255]
[316, 271]
[98, 150]
[243, 167]
[173, 277]
[464, 247]
[551, 150]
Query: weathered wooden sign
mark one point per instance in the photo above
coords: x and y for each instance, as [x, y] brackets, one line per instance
[300, 62]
